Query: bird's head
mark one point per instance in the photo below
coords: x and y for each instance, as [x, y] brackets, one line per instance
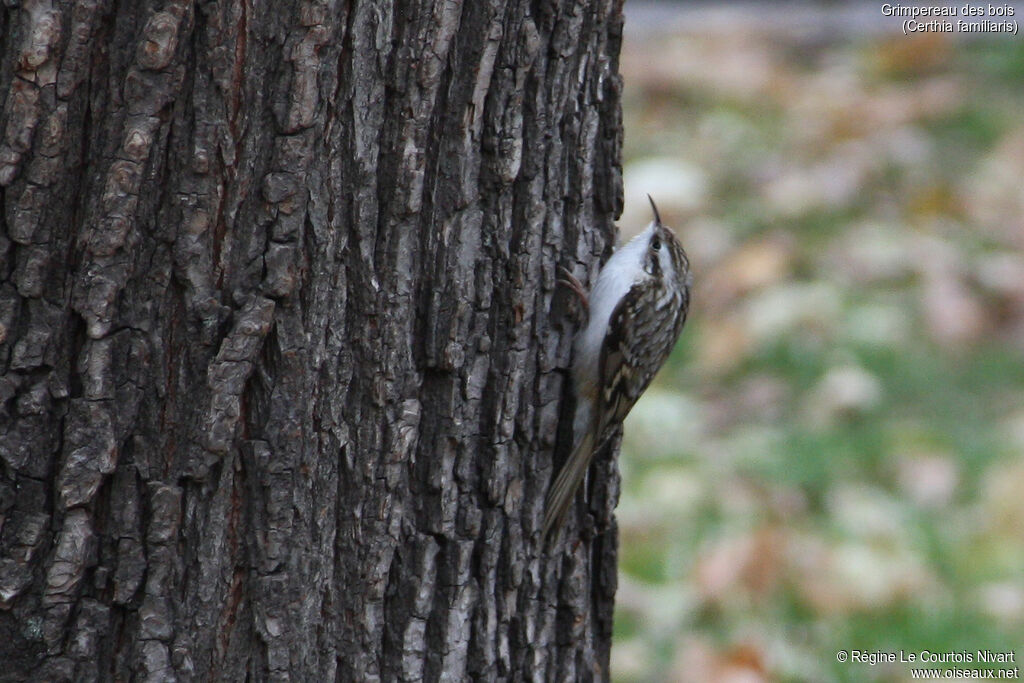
[665, 257]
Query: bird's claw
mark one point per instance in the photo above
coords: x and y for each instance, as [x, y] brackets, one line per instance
[573, 283]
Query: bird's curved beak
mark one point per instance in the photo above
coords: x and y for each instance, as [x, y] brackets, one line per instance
[657, 216]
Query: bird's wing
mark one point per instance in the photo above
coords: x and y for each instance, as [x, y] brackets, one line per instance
[625, 366]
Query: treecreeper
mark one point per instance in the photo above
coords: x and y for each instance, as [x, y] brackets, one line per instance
[636, 311]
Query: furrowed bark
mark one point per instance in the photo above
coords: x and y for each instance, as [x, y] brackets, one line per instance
[282, 346]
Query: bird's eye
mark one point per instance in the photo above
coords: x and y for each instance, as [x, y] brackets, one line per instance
[656, 244]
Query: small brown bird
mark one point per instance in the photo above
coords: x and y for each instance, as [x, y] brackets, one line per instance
[637, 309]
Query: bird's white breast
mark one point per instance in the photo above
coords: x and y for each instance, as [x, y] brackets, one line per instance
[624, 269]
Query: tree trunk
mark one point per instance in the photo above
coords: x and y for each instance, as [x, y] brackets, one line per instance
[283, 349]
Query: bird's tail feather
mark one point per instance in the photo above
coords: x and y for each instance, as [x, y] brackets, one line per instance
[563, 491]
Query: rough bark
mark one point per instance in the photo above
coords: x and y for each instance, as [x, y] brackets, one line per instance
[282, 346]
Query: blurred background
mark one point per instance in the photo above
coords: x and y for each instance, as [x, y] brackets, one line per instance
[833, 458]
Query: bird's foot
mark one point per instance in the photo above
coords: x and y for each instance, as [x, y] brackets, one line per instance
[573, 283]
